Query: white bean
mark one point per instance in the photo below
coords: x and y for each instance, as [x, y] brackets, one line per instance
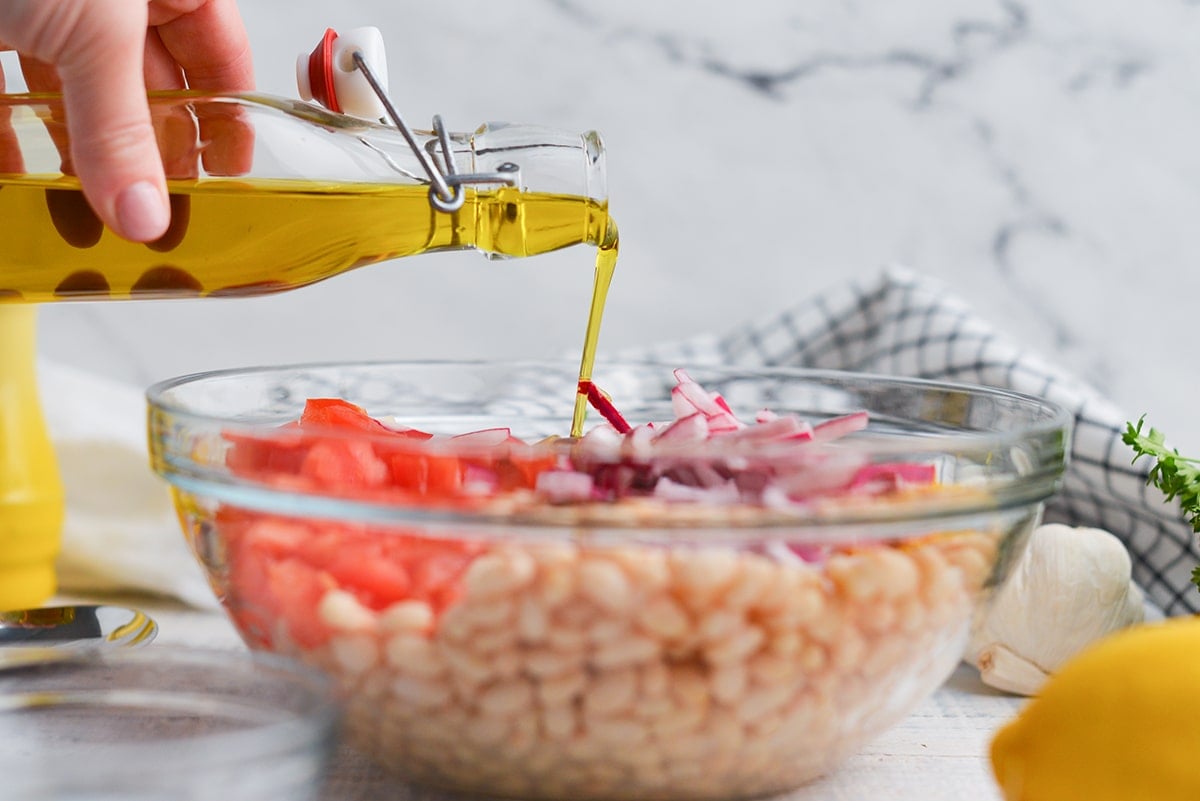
[876, 617]
[719, 625]
[606, 585]
[726, 730]
[557, 585]
[533, 621]
[735, 648]
[762, 701]
[558, 722]
[502, 639]
[729, 683]
[653, 680]
[421, 693]
[506, 699]
[647, 566]
[607, 630]
[704, 574]
[566, 638]
[355, 653]
[681, 721]
[340, 610]
[464, 663]
[415, 655]
[561, 690]
[611, 692]
[495, 575]
[653, 708]
[407, 616]
[495, 613]
[546, 664]
[769, 670]
[617, 732]
[787, 643]
[847, 651]
[662, 617]
[812, 659]
[633, 650]
[689, 687]
[487, 732]
[455, 623]
[754, 582]
[804, 604]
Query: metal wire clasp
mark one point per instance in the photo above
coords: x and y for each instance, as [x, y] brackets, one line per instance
[446, 183]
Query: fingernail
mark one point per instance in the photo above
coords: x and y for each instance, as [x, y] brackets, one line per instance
[142, 212]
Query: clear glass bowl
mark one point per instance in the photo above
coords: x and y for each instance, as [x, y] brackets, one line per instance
[646, 648]
[161, 723]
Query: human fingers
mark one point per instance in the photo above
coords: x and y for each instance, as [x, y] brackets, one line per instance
[208, 40]
[11, 160]
[161, 71]
[97, 51]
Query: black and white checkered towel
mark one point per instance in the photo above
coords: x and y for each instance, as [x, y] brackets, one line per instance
[910, 325]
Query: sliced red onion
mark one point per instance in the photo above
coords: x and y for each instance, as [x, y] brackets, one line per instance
[484, 437]
[786, 427]
[601, 444]
[563, 486]
[723, 423]
[792, 553]
[692, 428]
[820, 476]
[721, 494]
[639, 443]
[480, 481]
[840, 426]
[688, 396]
[894, 475]
[619, 460]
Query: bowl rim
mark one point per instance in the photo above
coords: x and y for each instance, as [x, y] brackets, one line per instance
[1054, 424]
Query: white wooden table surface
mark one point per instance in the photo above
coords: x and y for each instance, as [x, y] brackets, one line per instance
[938, 753]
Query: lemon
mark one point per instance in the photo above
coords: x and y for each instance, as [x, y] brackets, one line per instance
[1119, 721]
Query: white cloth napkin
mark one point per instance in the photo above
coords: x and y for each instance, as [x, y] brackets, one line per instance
[120, 531]
[122, 534]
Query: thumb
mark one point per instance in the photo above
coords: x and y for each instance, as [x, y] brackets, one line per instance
[113, 145]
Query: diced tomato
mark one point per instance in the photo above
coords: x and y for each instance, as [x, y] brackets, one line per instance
[255, 454]
[344, 464]
[275, 537]
[356, 560]
[436, 578]
[418, 546]
[377, 582]
[294, 591]
[337, 413]
[426, 474]
[443, 475]
[323, 544]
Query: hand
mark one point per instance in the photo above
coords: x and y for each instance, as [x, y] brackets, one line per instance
[104, 56]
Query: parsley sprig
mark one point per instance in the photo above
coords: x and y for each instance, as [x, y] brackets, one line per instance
[1176, 476]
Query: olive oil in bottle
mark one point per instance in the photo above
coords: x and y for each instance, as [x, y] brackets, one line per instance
[255, 236]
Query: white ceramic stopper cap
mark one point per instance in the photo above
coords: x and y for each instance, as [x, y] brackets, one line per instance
[329, 75]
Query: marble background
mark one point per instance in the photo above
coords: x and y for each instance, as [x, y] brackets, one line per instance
[1040, 158]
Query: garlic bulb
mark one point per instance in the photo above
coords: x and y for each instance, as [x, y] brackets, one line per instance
[1071, 586]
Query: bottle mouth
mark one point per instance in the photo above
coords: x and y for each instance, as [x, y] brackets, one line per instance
[595, 166]
[549, 160]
